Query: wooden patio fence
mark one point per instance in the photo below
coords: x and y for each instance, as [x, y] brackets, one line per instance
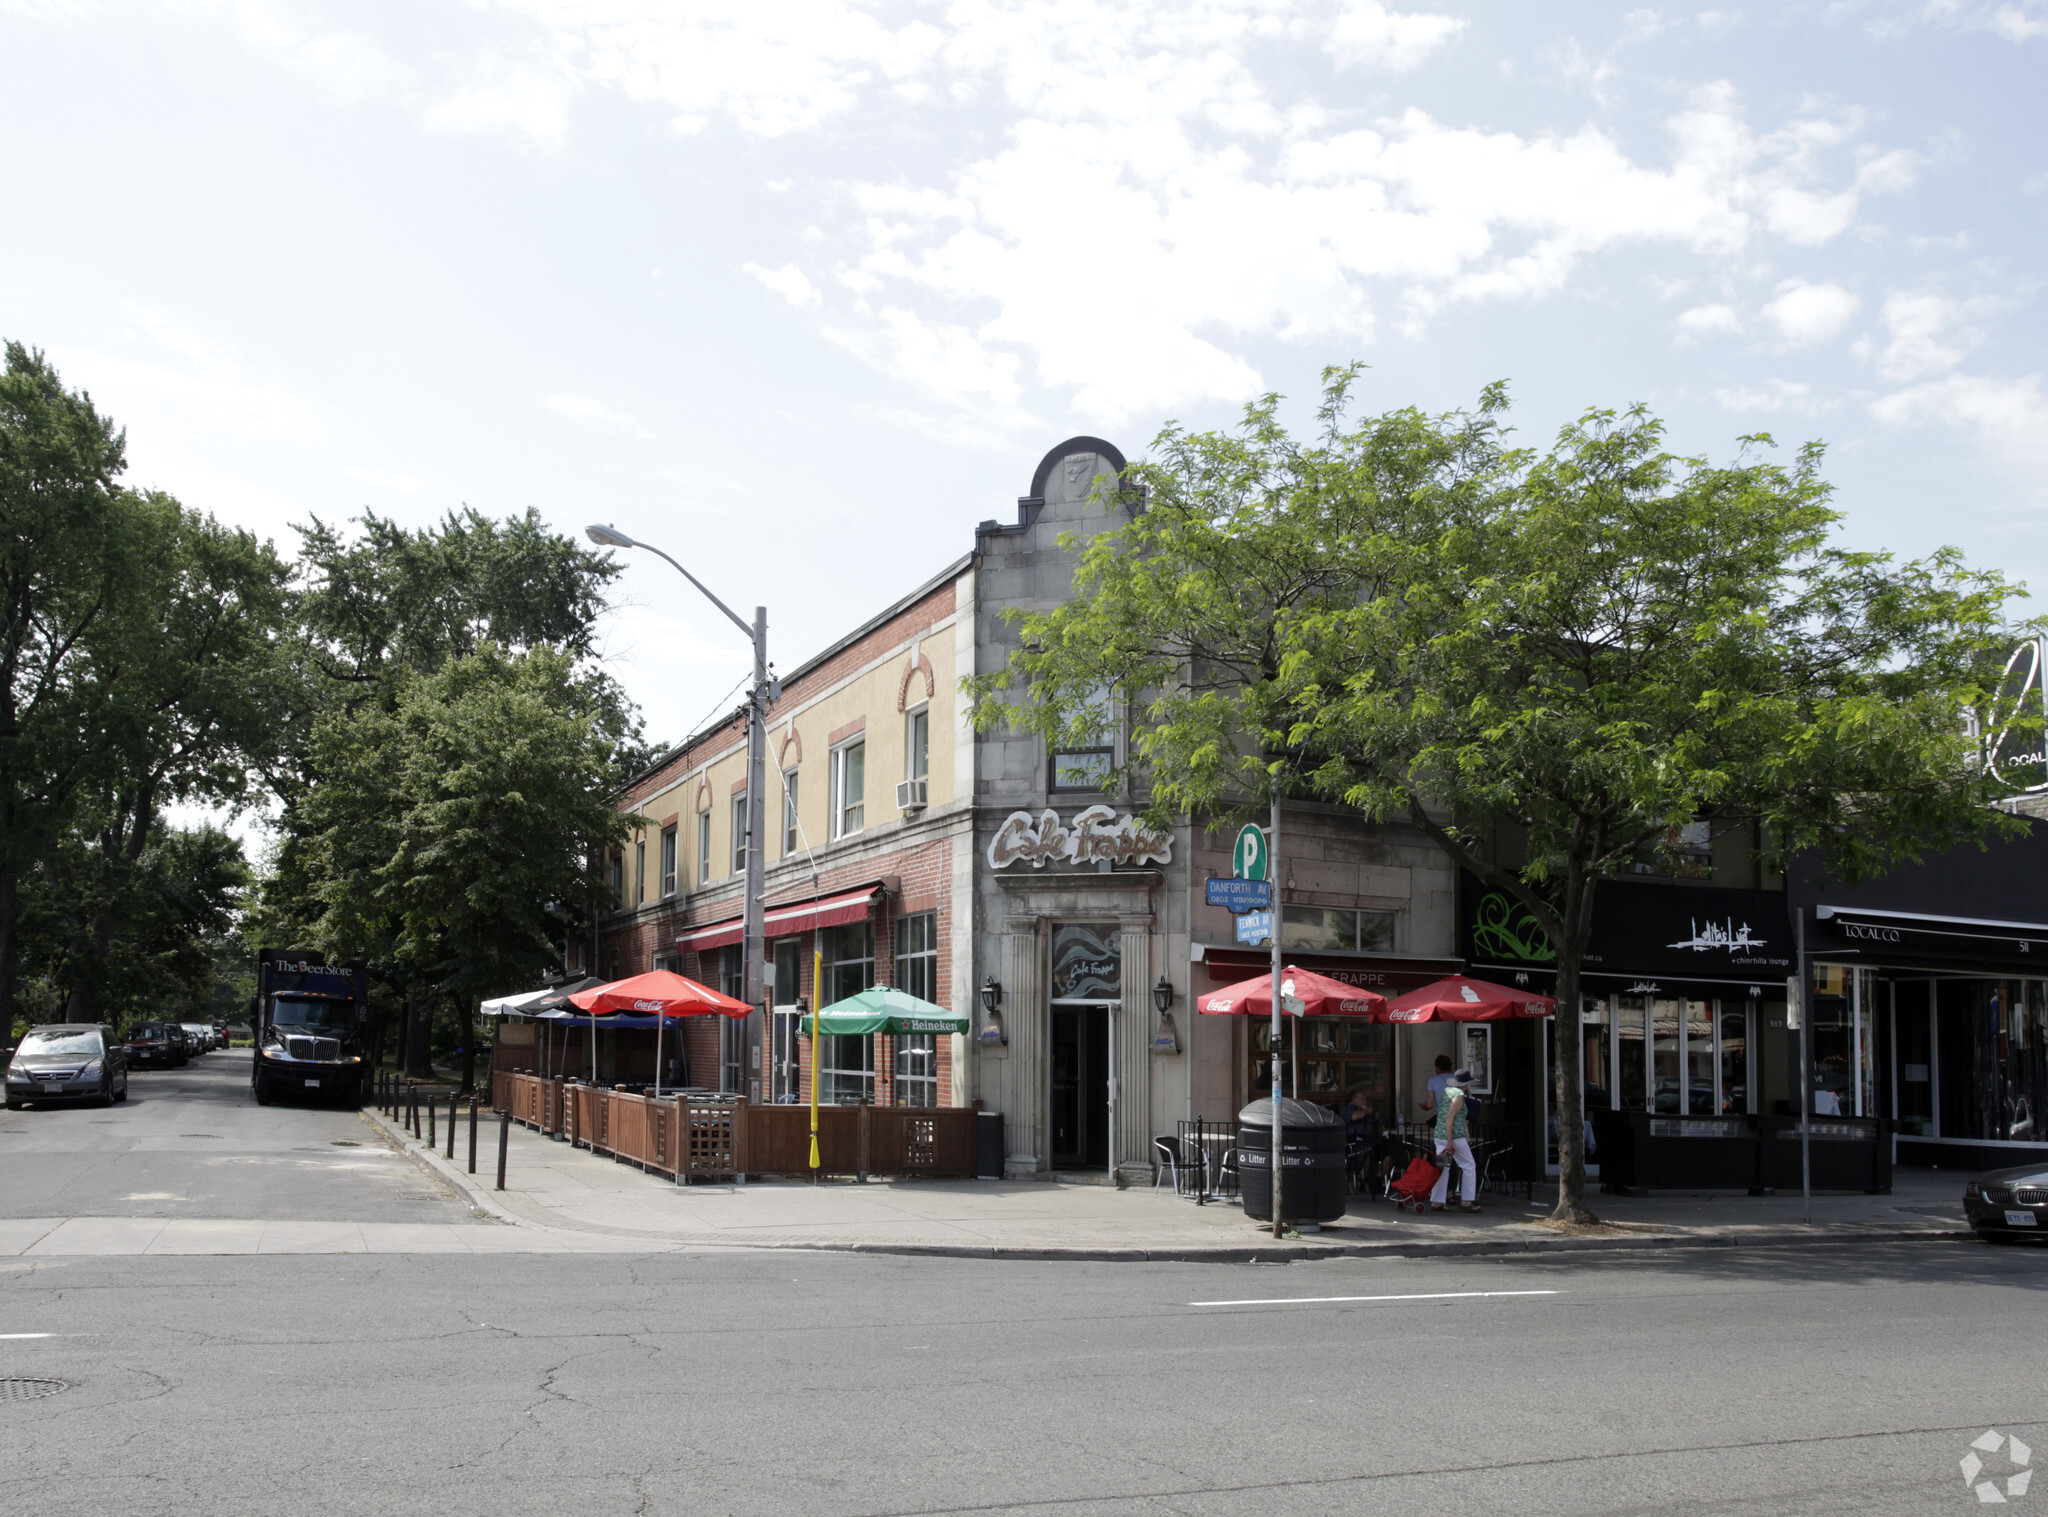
[720, 1140]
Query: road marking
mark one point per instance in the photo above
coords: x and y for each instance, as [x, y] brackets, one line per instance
[1324, 1300]
[27, 1335]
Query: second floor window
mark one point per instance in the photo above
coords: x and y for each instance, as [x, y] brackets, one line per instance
[791, 833]
[703, 848]
[918, 744]
[668, 859]
[739, 835]
[1085, 762]
[849, 789]
[618, 873]
[639, 871]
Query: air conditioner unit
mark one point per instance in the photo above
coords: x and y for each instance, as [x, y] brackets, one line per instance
[911, 794]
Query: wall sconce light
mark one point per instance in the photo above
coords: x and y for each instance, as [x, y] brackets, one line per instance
[992, 1034]
[1167, 1038]
[1162, 995]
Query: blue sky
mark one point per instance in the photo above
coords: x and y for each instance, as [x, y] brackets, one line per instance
[802, 291]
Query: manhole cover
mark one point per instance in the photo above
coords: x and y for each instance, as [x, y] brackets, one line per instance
[417, 1195]
[19, 1388]
[344, 1143]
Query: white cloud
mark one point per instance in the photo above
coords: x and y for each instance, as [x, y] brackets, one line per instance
[588, 411]
[504, 95]
[1702, 321]
[1367, 34]
[1918, 320]
[345, 64]
[1808, 313]
[397, 484]
[2010, 415]
[789, 281]
[1777, 395]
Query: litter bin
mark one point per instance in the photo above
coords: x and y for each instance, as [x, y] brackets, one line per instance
[988, 1145]
[1311, 1161]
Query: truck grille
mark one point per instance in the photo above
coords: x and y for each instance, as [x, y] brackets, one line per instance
[313, 1048]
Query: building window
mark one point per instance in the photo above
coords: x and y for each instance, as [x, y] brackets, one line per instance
[739, 835]
[1336, 929]
[1085, 762]
[917, 973]
[917, 743]
[668, 860]
[847, 1072]
[639, 871]
[618, 878]
[849, 789]
[732, 1031]
[703, 847]
[791, 834]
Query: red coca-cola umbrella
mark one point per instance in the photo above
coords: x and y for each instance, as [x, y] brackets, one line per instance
[1303, 993]
[1459, 999]
[664, 993]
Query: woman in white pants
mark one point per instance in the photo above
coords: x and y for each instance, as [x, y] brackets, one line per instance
[1453, 1141]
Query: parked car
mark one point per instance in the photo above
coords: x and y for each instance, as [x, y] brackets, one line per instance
[201, 1035]
[177, 1034]
[67, 1061]
[150, 1045]
[2008, 1203]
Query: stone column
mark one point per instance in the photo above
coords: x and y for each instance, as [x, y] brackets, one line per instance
[1132, 1151]
[1025, 1020]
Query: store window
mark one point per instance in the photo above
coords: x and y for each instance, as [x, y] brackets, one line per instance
[1597, 1050]
[1325, 1060]
[1989, 1077]
[917, 743]
[668, 859]
[847, 1071]
[1336, 929]
[732, 1031]
[849, 789]
[917, 973]
[639, 871]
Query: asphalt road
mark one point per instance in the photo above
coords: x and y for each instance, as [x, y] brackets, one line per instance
[1831, 1379]
[192, 1142]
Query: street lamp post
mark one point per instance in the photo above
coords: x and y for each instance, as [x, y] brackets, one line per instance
[757, 789]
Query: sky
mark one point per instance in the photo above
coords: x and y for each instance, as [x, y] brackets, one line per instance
[802, 291]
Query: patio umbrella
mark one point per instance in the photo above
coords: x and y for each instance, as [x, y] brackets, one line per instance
[883, 1008]
[1303, 993]
[557, 1000]
[1459, 999]
[499, 1005]
[664, 993]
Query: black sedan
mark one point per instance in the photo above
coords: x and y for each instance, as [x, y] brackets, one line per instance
[67, 1061]
[151, 1046]
[2009, 1203]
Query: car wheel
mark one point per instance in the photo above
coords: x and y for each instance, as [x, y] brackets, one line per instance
[1991, 1237]
[122, 1093]
[262, 1091]
[14, 1106]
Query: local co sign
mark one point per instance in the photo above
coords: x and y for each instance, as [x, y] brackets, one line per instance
[1095, 835]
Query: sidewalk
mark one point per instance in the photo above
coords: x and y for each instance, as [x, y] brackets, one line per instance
[569, 1191]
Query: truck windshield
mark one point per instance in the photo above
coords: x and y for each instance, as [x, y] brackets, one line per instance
[328, 1016]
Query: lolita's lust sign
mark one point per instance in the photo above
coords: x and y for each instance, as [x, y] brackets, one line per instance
[1094, 836]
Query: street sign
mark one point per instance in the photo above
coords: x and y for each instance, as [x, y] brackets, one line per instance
[1240, 895]
[1254, 926]
[1248, 859]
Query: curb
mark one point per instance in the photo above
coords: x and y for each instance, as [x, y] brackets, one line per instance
[481, 1196]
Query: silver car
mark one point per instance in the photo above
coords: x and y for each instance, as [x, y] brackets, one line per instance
[67, 1061]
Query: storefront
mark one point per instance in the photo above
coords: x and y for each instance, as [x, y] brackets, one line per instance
[1931, 1003]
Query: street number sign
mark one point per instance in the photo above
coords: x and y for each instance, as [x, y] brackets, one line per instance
[1240, 895]
[1248, 860]
[1255, 927]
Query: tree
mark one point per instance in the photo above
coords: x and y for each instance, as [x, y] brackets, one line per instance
[1592, 646]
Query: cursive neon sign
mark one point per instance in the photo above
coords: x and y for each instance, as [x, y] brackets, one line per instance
[1096, 835]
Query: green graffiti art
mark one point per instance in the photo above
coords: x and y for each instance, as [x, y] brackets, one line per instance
[1503, 928]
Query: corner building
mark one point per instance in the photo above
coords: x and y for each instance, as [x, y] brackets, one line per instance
[1001, 879]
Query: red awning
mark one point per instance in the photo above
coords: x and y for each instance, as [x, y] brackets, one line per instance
[785, 920]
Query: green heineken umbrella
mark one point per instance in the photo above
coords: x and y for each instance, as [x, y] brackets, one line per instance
[886, 1009]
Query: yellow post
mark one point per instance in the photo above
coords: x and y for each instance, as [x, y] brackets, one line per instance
[817, 997]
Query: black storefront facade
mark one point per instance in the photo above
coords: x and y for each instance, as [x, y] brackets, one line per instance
[1690, 1063]
[1946, 964]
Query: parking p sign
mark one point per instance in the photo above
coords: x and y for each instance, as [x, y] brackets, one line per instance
[1249, 858]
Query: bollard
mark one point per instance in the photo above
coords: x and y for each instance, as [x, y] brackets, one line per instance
[453, 1096]
[412, 1107]
[504, 1142]
[472, 1134]
[430, 1121]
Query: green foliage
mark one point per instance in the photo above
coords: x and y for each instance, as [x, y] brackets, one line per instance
[1592, 646]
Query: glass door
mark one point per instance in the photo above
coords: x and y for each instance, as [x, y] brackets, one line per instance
[1735, 1079]
[1631, 1053]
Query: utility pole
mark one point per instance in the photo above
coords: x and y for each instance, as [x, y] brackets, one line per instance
[752, 910]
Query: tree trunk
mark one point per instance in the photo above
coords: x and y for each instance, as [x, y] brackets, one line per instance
[468, 1046]
[418, 1059]
[10, 949]
[1571, 1093]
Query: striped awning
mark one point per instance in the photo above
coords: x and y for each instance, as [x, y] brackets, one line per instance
[784, 920]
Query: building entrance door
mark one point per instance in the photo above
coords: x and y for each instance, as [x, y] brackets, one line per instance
[1080, 1086]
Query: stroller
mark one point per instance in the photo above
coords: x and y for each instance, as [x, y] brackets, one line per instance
[1412, 1190]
